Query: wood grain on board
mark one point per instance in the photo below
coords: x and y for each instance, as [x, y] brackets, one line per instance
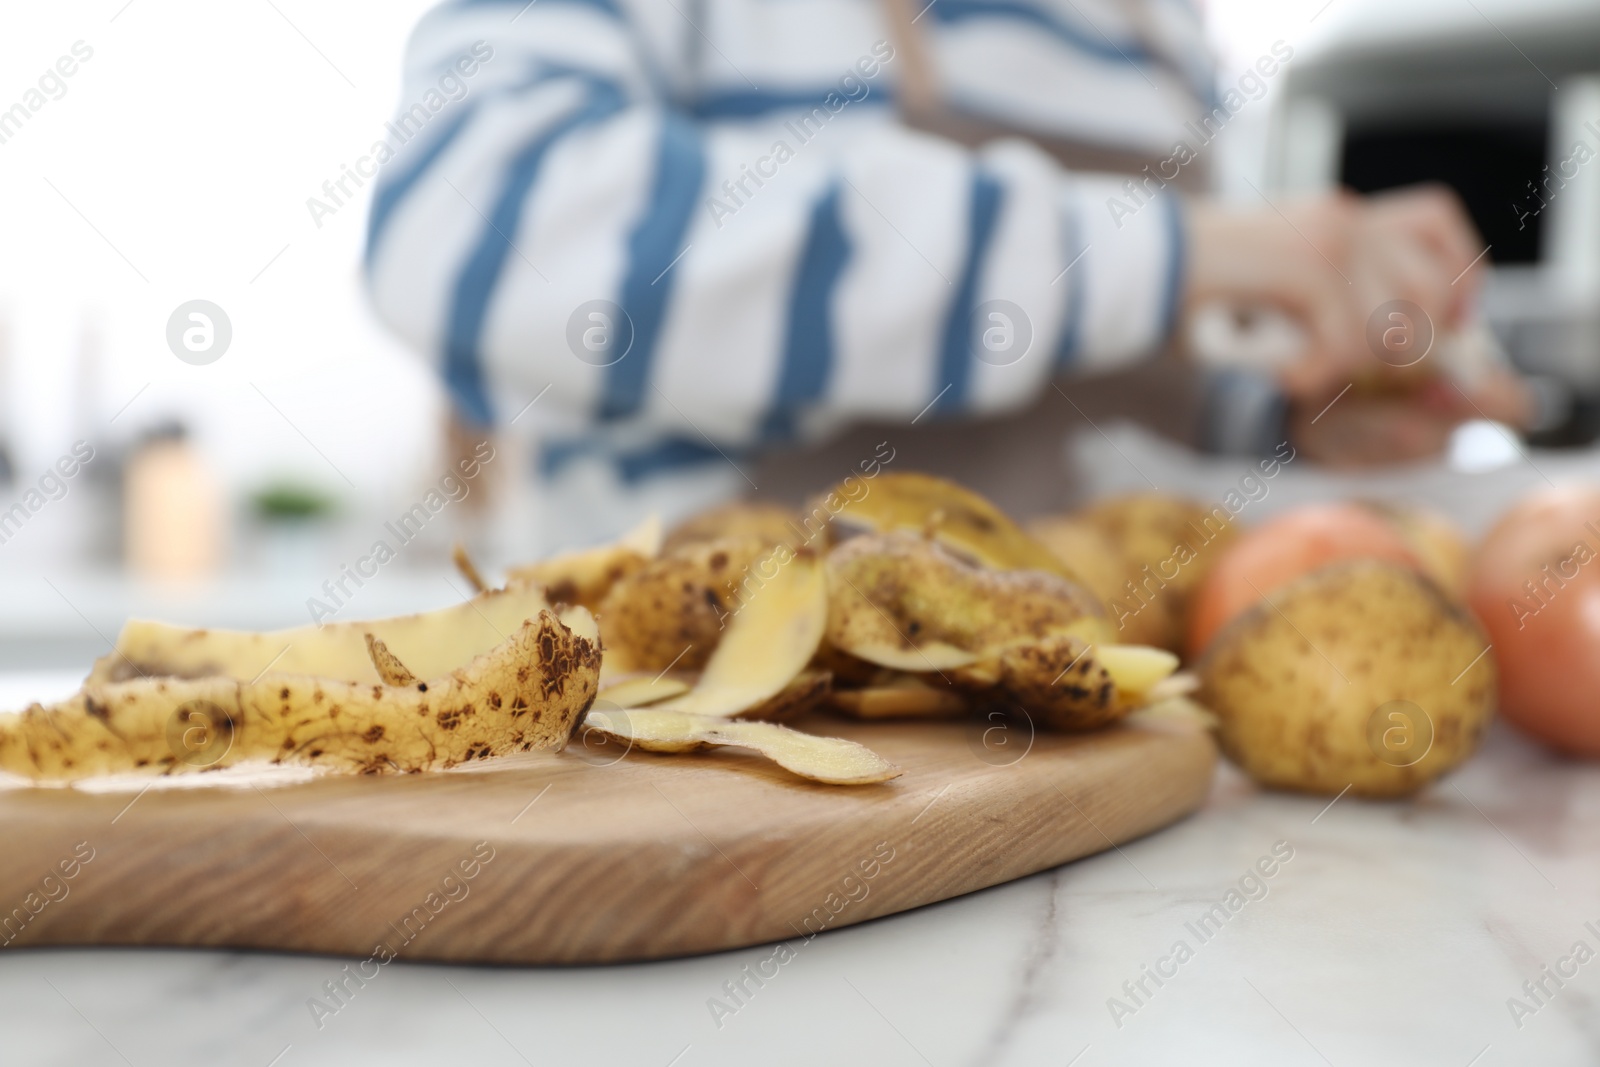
[589, 855]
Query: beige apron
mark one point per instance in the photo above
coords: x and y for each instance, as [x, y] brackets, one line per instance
[1018, 459]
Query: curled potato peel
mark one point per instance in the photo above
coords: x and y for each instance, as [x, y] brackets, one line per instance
[831, 760]
[587, 575]
[905, 602]
[771, 524]
[431, 644]
[671, 612]
[528, 692]
[951, 514]
[769, 640]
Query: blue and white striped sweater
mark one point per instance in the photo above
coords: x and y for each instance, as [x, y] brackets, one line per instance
[627, 150]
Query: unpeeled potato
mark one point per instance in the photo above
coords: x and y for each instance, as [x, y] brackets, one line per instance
[1439, 545]
[1360, 675]
[1081, 546]
[1165, 547]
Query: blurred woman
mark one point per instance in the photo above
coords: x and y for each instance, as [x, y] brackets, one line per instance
[699, 247]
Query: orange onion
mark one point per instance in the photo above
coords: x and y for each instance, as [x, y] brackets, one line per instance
[1535, 586]
[1282, 549]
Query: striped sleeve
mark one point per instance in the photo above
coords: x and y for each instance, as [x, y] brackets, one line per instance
[597, 225]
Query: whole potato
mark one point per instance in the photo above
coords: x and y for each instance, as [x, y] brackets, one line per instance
[1361, 674]
[1086, 550]
[1438, 543]
[1167, 546]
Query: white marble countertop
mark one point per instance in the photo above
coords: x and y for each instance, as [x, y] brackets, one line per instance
[1395, 934]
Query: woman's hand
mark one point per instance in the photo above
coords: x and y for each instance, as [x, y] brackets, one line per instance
[1330, 262]
[1363, 428]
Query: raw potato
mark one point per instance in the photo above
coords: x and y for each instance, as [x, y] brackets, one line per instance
[1167, 545]
[1288, 718]
[671, 612]
[431, 644]
[528, 692]
[768, 642]
[585, 577]
[955, 516]
[771, 524]
[1089, 553]
[831, 760]
[1439, 545]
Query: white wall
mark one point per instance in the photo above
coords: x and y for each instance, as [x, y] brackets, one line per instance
[190, 141]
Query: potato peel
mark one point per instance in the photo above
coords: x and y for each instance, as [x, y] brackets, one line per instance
[953, 515]
[640, 691]
[904, 602]
[768, 642]
[670, 614]
[771, 524]
[903, 698]
[432, 644]
[1035, 639]
[587, 575]
[388, 665]
[830, 760]
[807, 691]
[528, 692]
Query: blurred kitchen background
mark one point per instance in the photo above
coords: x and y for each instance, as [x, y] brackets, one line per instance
[176, 163]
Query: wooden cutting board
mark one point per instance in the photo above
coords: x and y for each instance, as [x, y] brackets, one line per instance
[591, 855]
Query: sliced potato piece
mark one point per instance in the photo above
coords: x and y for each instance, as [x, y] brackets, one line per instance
[1136, 669]
[831, 760]
[433, 644]
[527, 692]
[1175, 707]
[768, 642]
